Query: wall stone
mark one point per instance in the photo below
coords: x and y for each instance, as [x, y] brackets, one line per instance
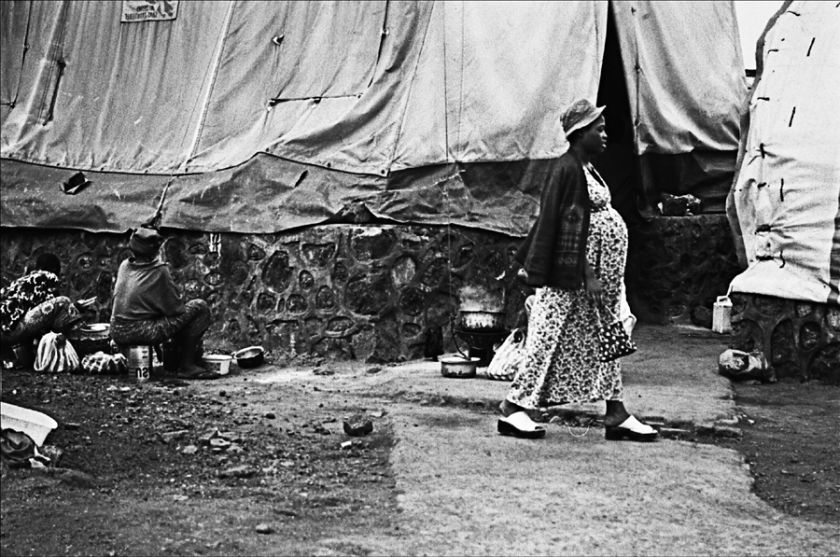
[799, 339]
[678, 266]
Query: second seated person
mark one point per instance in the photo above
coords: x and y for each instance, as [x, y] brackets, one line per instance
[148, 308]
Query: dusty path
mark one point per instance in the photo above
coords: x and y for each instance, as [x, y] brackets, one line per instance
[464, 490]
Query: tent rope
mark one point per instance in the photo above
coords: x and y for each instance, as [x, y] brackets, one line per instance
[13, 102]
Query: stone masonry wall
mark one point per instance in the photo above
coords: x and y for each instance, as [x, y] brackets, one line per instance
[338, 291]
[678, 266]
[799, 339]
[349, 291]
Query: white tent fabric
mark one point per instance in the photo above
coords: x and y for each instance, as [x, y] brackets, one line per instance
[506, 71]
[674, 111]
[786, 198]
[365, 88]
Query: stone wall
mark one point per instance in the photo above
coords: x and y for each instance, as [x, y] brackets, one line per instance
[678, 266]
[799, 339]
[370, 292]
[339, 291]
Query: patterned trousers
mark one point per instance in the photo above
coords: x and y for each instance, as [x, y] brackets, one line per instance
[189, 325]
[57, 314]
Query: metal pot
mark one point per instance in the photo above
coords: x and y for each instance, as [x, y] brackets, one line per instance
[253, 356]
[477, 320]
[458, 366]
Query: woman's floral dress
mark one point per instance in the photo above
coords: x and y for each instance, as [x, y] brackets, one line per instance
[562, 364]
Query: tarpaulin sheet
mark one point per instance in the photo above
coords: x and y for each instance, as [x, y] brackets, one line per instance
[32, 197]
[362, 88]
[493, 78]
[786, 198]
[685, 74]
[267, 194]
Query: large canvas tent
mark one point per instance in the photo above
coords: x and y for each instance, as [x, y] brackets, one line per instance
[259, 117]
[785, 203]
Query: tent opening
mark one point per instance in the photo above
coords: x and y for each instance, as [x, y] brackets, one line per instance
[619, 164]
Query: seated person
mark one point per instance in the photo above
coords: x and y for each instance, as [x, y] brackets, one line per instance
[149, 310]
[30, 306]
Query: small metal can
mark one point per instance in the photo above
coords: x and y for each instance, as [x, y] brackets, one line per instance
[139, 358]
[143, 374]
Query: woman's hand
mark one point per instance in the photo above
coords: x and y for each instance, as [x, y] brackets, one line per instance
[594, 289]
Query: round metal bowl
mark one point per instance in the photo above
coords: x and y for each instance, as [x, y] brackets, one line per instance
[252, 356]
[458, 366]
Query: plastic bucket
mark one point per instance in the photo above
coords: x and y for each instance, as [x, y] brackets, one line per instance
[36, 425]
[218, 363]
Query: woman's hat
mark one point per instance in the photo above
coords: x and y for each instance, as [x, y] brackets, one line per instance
[580, 114]
[145, 241]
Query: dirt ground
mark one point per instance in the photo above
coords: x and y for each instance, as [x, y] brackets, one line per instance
[140, 492]
[792, 443]
[139, 474]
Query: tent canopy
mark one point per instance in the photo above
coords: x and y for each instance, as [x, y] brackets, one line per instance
[282, 113]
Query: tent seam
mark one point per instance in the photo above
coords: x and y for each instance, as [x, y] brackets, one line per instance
[211, 86]
[411, 89]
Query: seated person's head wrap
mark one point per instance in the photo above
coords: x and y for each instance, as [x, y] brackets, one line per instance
[145, 242]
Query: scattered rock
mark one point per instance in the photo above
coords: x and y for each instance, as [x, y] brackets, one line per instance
[205, 438]
[171, 435]
[727, 422]
[378, 413]
[53, 453]
[72, 426]
[727, 431]
[323, 371]
[242, 471]
[189, 449]
[74, 478]
[358, 429]
[219, 444]
[373, 369]
[346, 444]
[264, 529]
[270, 415]
[674, 432]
